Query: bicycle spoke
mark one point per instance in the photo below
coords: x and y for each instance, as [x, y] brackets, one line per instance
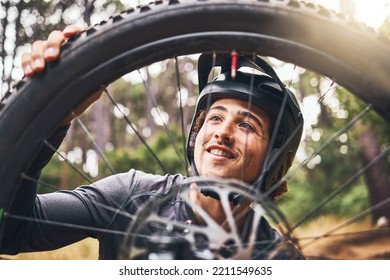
[69, 225]
[150, 150]
[349, 221]
[341, 188]
[166, 129]
[329, 141]
[95, 145]
[72, 165]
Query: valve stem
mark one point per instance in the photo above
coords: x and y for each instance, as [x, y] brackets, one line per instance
[234, 64]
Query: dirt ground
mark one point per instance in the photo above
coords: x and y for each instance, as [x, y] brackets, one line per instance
[362, 241]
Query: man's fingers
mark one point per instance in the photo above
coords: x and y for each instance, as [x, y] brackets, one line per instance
[49, 50]
[26, 64]
[38, 61]
[34, 61]
[52, 46]
[71, 30]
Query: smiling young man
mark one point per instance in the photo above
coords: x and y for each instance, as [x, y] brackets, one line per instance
[245, 127]
[233, 141]
[231, 144]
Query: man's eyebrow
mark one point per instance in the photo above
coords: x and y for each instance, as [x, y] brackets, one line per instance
[218, 107]
[251, 116]
[246, 114]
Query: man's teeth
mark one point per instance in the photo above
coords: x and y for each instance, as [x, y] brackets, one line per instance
[221, 153]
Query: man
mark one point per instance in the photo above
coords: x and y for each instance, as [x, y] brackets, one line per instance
[246, 127]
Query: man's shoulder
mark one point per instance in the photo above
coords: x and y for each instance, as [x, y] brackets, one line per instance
[145, 181]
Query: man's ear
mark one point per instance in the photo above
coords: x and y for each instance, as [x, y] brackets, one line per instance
[273, 155]
[290, 159]
[283, 188]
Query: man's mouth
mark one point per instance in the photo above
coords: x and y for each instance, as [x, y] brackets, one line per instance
[221, 153]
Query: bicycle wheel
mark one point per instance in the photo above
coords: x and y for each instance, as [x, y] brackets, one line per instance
[302, 34]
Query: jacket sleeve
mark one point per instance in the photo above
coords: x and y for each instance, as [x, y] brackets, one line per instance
[26, 194]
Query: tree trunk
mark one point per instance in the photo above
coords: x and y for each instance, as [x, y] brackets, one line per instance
[101, 124]
[149, 105]
[376, 176]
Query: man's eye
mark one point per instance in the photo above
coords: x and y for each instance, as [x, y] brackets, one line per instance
[214, 118]
[247, 126]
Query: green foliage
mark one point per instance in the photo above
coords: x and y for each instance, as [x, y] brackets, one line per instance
[140, 158]
[50, 176]
[335, 167]
[306, 197]
[59, 175]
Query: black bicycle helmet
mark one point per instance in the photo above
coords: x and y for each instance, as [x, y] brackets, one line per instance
[263, 89]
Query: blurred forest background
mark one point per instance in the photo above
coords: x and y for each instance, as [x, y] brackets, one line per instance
[24, 21]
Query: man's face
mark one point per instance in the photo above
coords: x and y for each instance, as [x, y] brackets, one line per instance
[232, 141]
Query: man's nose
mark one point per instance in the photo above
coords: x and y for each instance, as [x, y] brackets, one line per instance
[225, 132]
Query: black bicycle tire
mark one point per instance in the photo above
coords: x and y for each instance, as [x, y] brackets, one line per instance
[284, 28]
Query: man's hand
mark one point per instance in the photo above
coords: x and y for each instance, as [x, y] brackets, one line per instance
[49, 50]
